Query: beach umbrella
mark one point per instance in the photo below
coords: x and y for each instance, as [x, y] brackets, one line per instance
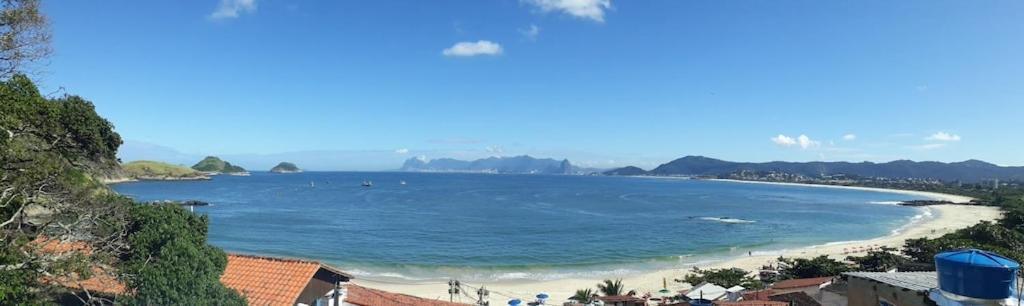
[514, 302]
[543, 296]
[664, 292]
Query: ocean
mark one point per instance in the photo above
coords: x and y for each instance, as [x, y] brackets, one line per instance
[520, 227]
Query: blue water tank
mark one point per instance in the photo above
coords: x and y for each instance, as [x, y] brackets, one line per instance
[976, 274]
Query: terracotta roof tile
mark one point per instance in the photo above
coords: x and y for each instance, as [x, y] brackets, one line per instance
[758, 295]
[801, 282]
[362, 296]
[267, 280]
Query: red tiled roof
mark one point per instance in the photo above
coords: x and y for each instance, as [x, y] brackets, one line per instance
[798, 298]
[750, 303]
[101, 282]
[758, 295]
[363, 296]
[267, 280]
[801, 282]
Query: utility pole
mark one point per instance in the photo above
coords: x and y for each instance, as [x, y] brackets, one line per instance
[453, 289]
[482, 295]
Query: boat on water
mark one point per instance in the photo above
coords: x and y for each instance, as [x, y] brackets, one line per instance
[401, 182]
[367, 184]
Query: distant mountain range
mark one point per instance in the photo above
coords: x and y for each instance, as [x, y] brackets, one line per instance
[511, 165]
[967, 171]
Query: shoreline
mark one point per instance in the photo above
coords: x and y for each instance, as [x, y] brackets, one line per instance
[956, 199]
[944, 218]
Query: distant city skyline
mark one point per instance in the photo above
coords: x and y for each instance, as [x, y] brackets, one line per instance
[603, 83]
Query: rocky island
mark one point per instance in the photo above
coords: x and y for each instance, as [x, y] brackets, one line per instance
[214, 165]
[148, 170]
[285, 167]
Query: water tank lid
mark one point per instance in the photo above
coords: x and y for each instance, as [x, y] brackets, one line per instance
[977, 257]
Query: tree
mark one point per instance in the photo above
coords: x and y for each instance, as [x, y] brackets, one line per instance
[806, 268]
[24, 36]
[723, 277]
[610, 288]
[882, 260]
[170, 263]
[45, 193]
[583, 295]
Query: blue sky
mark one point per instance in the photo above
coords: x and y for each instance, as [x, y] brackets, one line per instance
[601, 82]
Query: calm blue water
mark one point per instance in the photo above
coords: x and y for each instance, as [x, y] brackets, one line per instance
[480, 226]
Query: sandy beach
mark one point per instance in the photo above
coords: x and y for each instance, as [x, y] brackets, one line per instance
[944, 219]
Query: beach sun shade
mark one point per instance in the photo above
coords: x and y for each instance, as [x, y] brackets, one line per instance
[514, 302]
[665, 292]
[542, 295]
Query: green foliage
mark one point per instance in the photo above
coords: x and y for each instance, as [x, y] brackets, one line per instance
[609, 287]
[154, 169]
[806, 268]
[170, 263]
[583, 295]
[986, 236]
[215, 164]
[285, 167]
[882, 260]
[48, 150]
[723, 277]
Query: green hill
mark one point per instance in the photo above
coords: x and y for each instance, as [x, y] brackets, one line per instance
[154, 170]
[285, 167]
[215, 164]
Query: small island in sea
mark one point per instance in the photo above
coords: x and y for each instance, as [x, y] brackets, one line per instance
[285, 167]
[148, 170]
[214, 165]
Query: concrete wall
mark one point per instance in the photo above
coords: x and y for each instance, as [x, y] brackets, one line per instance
[321, 283]
[865, 292]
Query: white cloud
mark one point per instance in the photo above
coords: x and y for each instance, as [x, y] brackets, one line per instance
[806, 142]
[466, 48]
[587, 9]
[784, 140]
[849, 137]
[802, 141]
[531, 33]
[943, 136]
[232, 8]
[402, 151]
[495, 149]
[921, 88]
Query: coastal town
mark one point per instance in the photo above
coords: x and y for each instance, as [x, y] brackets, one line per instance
[511, 153]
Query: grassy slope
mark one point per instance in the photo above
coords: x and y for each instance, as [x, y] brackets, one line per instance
[154, 169]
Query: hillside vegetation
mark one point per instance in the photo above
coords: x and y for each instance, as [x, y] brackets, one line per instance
[216, 165]
[154, 170]
[966, 171]
[285, 167]
[53, 152]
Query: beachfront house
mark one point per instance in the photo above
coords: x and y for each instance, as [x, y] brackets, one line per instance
[264, 281]
[962, 277]
[890, 288]
[278, 281]
[706, 291]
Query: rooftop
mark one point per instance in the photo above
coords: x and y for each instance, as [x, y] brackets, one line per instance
[918, 281]
[359, 295]
[801, 282]
[270, 280]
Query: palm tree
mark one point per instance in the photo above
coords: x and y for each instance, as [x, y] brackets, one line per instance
[610, 288]
[583, 295]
